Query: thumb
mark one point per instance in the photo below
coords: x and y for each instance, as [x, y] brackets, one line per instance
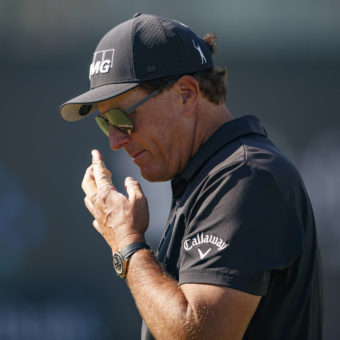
[133, 189]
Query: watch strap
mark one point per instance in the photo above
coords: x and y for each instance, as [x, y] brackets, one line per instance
[129, 250]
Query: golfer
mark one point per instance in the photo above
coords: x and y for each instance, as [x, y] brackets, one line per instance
[239, 257]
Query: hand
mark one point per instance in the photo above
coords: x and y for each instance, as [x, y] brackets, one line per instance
[119, 219]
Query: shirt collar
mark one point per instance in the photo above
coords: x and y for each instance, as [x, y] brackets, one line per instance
[228, 132]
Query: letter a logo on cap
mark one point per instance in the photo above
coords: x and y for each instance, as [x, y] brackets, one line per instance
[102, 62]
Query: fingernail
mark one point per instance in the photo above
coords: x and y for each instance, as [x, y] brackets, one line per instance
[96, 157]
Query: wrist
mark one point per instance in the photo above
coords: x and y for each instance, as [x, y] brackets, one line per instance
[127, 240]
[121, 258]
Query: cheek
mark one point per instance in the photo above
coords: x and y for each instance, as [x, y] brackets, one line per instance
[162, 130]
[165, 135]
[155, 128]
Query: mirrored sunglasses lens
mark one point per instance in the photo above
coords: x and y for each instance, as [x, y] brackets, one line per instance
[101, 121]
[120, 120]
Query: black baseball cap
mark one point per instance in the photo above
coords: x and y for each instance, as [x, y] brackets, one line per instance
[140, 49]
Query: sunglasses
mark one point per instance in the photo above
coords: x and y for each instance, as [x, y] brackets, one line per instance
[120, 119]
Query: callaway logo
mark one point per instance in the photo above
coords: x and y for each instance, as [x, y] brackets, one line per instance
[203, 255]
[198, 48]
[102, 62]
[201, 239]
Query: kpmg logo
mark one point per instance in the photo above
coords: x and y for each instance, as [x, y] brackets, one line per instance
[102, 62]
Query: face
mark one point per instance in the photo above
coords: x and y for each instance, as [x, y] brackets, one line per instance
[161, 142]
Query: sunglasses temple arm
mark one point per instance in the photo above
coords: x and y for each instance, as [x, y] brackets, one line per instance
[133, 108]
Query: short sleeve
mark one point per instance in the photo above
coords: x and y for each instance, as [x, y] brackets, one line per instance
[240, 228]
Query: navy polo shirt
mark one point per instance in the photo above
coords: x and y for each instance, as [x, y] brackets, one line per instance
[241, 218]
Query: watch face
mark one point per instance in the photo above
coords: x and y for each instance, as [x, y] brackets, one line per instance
[118, 263]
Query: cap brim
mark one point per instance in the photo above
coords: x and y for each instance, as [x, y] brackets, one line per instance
[71, 110]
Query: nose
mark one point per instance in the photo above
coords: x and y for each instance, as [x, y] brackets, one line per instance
[117, 138]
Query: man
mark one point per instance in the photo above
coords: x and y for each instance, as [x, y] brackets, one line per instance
[239, 256]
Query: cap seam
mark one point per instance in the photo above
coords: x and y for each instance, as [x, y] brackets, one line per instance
[131, 52]
[183, 44]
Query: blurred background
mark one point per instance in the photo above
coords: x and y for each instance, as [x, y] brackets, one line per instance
[56, 275]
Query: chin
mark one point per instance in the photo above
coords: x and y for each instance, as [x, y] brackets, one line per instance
[155, 176]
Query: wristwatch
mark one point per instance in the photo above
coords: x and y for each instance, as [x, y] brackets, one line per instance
[121, 258]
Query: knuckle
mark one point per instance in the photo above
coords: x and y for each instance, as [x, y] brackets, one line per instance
[104, 186]
[83, 185]
[101, 198]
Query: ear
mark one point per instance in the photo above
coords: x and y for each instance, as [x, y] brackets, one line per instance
[188, 89]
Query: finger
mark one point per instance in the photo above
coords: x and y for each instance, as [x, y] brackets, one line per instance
[101, 174]
[96, 226]
[89, 206]
[133, 189]
[89, 184]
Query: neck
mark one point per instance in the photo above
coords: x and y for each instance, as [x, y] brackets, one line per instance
[210, 117]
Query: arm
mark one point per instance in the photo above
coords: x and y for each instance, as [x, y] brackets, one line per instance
[191, 311]
[171, 312]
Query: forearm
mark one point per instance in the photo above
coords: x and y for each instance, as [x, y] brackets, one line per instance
[159, 299]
